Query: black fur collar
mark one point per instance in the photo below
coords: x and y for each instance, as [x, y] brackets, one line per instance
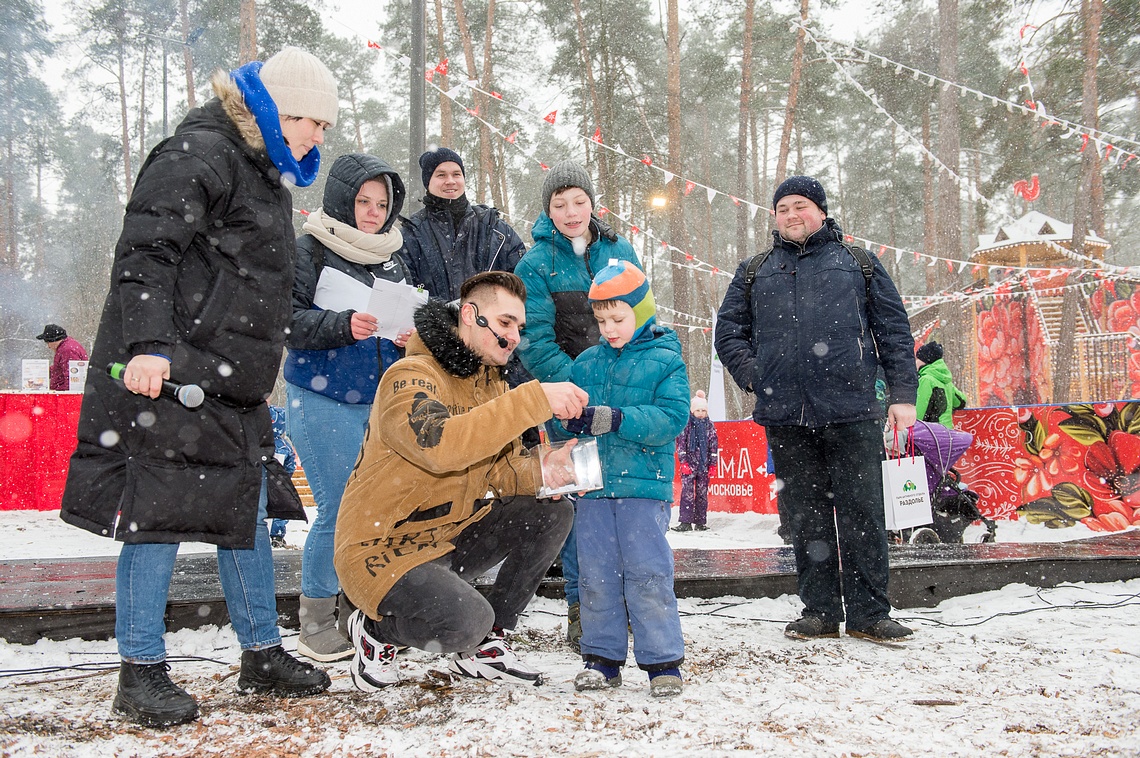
[437, 323]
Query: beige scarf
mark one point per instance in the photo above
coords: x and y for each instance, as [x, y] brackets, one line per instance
[350, 243]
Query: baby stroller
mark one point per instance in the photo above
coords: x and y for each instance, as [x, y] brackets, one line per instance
[953, 505]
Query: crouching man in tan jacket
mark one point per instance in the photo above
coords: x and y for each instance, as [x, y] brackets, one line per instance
[443, 491]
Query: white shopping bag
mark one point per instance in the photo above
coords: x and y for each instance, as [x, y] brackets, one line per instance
[906, 493]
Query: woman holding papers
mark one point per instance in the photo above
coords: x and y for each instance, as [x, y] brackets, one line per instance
[335, 361]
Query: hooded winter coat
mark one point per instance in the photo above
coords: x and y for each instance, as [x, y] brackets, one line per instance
[938, 398]
[449, 241]
[809, 341]
[202, 274]
[559, 320]
[443, 433]
[647, 380]
[323, 355]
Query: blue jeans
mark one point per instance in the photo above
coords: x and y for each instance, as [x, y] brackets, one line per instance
[142, 584]
[626, 575]
[327, 435]
[569, 557]
[832, 505]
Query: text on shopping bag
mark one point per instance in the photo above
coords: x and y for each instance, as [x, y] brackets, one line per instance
[906, 494]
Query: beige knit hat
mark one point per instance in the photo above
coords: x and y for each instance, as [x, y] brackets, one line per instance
[699, 403]
[301, 85]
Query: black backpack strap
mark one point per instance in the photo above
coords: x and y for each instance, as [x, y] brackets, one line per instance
[863, 258]
[754, 264]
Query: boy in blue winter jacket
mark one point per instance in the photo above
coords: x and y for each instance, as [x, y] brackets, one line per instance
[639, 388]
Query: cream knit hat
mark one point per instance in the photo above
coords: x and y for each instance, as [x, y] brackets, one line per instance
[301, 85]
[699, 403]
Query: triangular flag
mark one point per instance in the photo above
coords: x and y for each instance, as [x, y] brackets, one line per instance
[429, 75]
[961, 266]
[633, 229]
[735, 199]
[949, 267]
[882, 250]
[668, 176]
[374, 45]
[550, 117]
[689, 187]
[712, 194]
[602, 210]
[441, 69]
[511, 138]
[496, 95]
[597, 135]
[753, 209]
[647, 160]
[544, 166]
[898, 255]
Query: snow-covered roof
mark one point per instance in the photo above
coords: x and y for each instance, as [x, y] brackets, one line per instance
[1033, 227]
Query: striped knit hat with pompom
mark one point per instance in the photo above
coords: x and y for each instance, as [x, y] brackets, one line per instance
[621, 280]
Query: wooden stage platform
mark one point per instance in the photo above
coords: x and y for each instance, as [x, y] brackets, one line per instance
[66, 598]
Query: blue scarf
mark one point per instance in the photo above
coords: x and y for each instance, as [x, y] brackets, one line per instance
[264, 110]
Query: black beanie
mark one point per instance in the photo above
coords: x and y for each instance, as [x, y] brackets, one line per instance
[430, 161]
[805, 186]
[929, 353]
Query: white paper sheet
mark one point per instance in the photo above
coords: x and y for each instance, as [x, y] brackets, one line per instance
[392, 303]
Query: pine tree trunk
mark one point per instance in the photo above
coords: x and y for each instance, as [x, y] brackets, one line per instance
[487, 154]
[587, 64]
[759, 180]
[187, 53]
[142, 104]
[446, 123]
[745, 119]
[128, 174]
[949, 221]
[480, 107]
[247, 37]
[929, 213]
[681, 300]
[793, 96]
[1091, 14]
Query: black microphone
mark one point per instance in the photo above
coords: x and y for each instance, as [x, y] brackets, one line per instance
[482, 321]
[189, 395]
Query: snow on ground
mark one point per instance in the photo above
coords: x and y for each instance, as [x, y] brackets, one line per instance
[1017, 672]
[1057, 675]
[41, 534]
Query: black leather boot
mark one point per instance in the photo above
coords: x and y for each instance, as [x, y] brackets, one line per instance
[147, 696]
[273, 671]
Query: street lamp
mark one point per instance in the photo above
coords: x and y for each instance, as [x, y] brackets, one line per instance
[658, 202]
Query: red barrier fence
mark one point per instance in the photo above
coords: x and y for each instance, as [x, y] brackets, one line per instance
[1054, 464]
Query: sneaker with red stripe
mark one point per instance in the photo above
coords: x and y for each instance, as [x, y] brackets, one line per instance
[494, 660]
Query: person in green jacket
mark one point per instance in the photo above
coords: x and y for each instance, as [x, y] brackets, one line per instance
[938, 398]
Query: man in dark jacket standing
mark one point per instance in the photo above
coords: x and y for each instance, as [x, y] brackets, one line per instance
[450, 239]
[807, 337]
[200, 293]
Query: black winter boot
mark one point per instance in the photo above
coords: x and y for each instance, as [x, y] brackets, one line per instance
[147, 696]
[273, 671]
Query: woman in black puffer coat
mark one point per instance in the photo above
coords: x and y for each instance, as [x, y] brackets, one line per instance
[200, 293]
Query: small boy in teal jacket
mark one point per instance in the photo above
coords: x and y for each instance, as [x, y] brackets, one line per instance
[639, 388]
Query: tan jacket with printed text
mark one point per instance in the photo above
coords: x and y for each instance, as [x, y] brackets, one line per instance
[443, 432]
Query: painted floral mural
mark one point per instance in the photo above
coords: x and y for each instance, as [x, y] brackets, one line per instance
[1081, 463]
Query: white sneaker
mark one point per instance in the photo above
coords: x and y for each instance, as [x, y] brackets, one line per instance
[374, 665]
[494, 659]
